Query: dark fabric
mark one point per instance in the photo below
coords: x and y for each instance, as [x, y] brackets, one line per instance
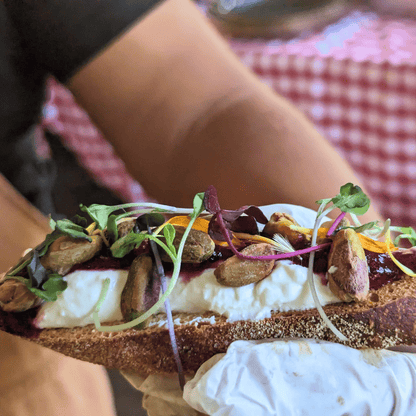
[64, 34]
[40, 38]
[21, 86]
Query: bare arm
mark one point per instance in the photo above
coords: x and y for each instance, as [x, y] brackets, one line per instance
[184, 113]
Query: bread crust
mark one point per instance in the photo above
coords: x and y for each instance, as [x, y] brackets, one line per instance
[385, 319]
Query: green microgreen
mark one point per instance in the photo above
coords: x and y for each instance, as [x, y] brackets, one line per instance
[198, 207]
[407, 233]
[59, 228]
[101, 213]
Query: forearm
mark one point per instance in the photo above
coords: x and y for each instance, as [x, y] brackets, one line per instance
[184, 113]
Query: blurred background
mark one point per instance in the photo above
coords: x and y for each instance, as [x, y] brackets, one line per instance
[350, 66]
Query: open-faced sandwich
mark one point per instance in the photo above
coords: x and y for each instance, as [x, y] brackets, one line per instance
[161, 289]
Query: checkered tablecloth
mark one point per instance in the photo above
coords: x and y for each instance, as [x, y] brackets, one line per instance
[356, 81]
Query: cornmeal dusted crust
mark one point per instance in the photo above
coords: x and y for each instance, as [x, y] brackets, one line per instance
[386, 319]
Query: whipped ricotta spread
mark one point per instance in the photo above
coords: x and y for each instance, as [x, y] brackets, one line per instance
[286, 288]
[76, 304]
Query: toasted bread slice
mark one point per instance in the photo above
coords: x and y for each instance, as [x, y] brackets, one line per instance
[386, 319]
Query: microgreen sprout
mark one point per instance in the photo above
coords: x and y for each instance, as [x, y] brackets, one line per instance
[282, 244]
[311, 280]
[198, 207]
[370, 229]
[159, 271]
[401, 266]
[101, 299]
[407, 233]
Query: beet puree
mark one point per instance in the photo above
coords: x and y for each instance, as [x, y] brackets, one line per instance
[382, 269]
[20, 323]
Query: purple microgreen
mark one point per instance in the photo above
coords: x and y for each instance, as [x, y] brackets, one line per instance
[334, 225]
[280, 256]
[160, 273]
[243, 219]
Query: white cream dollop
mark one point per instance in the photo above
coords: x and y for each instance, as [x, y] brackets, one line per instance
[75, 305]
[285, 289]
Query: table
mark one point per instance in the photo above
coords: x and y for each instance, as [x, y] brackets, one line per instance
[356, 81]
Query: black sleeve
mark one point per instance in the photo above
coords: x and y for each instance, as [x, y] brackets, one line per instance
[63, 35]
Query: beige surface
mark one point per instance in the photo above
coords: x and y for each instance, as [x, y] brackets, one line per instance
[21, 225]
[35, 381]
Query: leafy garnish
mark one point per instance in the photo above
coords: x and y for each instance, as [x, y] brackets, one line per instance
[60, 228]
[350, 199]
[112, 228]
[198, 207]
[100, 213]
[43, 283]
[401, 266]
[126, 244]
[233, 220]
[54, 286]
[365, 227]
[153, 219]
[407, 233]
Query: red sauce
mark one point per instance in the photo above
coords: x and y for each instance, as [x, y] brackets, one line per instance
[382, 269]
[20, 323]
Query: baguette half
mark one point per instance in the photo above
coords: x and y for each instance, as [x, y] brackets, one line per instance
[385, 318]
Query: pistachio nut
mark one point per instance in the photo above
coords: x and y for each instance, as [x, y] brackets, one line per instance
[65, 252]
[141, 290]
[199, 246]
[285, 225]
[235, 272]
[347, 273]
[16, 297]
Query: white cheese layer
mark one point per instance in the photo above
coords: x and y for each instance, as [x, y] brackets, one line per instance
[286, 288]
[75, 305]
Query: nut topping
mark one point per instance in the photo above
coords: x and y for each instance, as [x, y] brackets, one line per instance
[236, 272]
[285, 225]
[199, 246]
[347, 267]
[123, 227]
[141, 290]
[16, 297]
[66, 251]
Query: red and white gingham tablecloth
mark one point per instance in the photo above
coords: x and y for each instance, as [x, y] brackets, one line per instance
[356, 81]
